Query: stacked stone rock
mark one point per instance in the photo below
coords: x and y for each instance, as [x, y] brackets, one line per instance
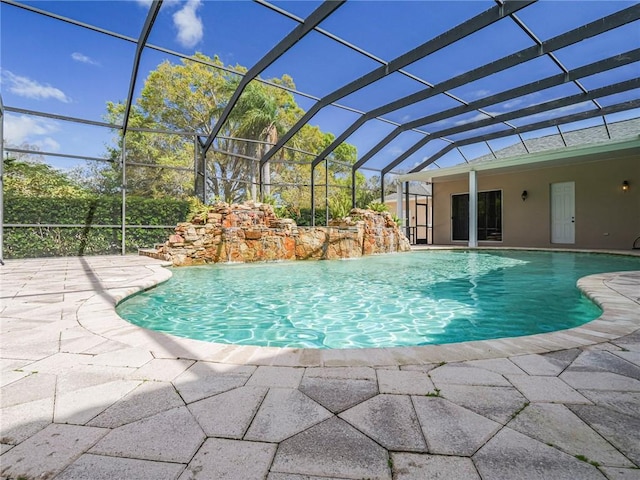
[381, 233]
[251, 232]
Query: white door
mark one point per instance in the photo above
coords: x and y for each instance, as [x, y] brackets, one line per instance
[563, 215]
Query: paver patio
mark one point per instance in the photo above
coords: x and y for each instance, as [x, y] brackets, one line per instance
[86, 395]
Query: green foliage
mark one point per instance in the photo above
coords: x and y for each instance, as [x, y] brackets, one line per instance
[83, 236]
[435, 393]
[270, 200]
[339, 206]
[190, 97]
[367, 190]
[184, 97]
[28, 176]
[377, 207]
[582, 458]
[196, 208]
[302, 216]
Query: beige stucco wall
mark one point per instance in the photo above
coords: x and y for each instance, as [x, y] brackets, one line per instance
[422, 232]
[606, 217]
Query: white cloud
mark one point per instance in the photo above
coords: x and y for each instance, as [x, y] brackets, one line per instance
[144, 3]
[513, 103]
[558, 112]
[20, 129]
[475, 118]
[479, 93]
[189, 25]
[25, 87]
[82, 58]
[395, 150]
[47, 144]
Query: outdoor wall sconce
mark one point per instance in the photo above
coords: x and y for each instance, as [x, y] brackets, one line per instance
[625, 186]
[524, 195]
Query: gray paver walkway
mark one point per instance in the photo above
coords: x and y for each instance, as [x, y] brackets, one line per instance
[85, 395]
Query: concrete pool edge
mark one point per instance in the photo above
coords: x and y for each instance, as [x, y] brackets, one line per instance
[613, 292]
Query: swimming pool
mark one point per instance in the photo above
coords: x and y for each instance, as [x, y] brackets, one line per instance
[414, 298]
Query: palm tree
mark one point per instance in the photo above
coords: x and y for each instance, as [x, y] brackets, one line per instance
[258, 117]
[270, 136]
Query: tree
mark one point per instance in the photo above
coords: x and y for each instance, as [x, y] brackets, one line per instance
[261, 113]
[28, 175]
[190, 97]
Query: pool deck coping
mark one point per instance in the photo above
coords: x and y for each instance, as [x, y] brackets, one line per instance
[610, 291]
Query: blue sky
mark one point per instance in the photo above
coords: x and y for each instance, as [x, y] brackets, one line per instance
[54, 67]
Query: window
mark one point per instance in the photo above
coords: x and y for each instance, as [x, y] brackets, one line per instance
[489, 216]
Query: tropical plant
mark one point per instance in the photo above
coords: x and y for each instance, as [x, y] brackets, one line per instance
[339, 206]
[378, 207]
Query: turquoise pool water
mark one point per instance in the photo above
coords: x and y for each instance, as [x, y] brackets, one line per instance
[415, 298]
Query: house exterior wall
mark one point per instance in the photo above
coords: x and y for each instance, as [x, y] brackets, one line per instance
[420, 232]
[606, 217]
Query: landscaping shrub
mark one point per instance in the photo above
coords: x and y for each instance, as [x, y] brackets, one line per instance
[88, 213]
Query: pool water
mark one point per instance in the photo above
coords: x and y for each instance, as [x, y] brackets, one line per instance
[414, 298]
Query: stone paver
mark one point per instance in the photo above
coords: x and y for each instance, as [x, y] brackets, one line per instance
[293, 476]
[511, 455]
[338, 394]
[84, 376]
[49, 451]
[10, 376]
[404, 382]
[31, 345]
[161, 369]
[228, 414]
[606, 362]
[463, 375]
[99, 467]
[80, 406]
[413, 466]
[205, 379]
[615, 473]
[600, 381]
[539, 365]
[496, 403]
[631, 357]
[283, 377]
[37, 386]
[127, 357]
[564, 356]
[147, 401]
[556, 425]
[283, 413]
[623, 402]
[144, 401]
[450, 429]
[171, 436]
[502, 366]
[346, 373]
[622, 431]
[19, 422]
[5, 447]
[333, 448]
[390, 420]
[58, 363]
[546, 389]
[231, 460]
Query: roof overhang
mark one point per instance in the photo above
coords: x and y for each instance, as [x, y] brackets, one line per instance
[533, 161]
